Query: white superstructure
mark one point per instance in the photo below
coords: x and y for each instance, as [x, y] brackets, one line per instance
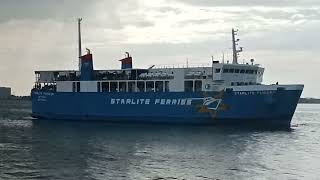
[211, 78]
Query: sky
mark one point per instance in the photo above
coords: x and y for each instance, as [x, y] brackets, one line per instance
[281, 35]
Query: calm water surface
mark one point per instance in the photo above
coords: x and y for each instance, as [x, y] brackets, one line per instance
[82, 150]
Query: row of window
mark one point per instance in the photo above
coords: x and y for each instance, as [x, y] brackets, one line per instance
[139, 86]
[242, 71]
[242, 83]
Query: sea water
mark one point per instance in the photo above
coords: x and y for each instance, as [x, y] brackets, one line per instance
[44, 149]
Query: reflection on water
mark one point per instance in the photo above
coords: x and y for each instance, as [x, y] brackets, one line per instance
[83, 150]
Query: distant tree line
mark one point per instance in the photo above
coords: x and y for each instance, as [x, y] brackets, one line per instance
[309, 101]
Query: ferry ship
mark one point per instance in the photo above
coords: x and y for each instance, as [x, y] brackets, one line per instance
[219, 93]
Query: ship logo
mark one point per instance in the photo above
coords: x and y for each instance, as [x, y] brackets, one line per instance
[211, 103]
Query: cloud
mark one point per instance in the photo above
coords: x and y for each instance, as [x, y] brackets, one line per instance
[42, 35]
[112, 14]
[38, 9]
[245, 3]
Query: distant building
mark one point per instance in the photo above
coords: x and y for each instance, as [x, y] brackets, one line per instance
[5, 92]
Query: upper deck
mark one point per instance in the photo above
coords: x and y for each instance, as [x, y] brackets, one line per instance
[129, 79]
[176, 79]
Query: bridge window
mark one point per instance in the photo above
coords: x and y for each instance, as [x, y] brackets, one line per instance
[141, 86]
[218, 70]
[242, 71]
[236, 71]
[113, 86]
[188, 86]
[159, 86]
[231, 70]
[150, 86]
[225, 70]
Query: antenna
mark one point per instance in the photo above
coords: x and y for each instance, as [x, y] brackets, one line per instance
[212, 67]
[187, 63]
[79, 43]
[222, 57]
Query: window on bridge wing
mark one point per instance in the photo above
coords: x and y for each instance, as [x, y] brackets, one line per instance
[218, 70]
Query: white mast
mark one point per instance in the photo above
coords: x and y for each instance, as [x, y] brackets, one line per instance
[79, 43]
[235, 51]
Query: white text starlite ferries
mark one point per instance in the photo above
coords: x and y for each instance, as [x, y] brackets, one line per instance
[222, 93]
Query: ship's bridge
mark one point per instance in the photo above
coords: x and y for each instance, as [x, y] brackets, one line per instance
[238, 74]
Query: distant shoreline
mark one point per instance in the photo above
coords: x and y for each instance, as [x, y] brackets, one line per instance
[309, 101]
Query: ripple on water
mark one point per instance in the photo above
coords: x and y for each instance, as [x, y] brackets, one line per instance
[81, 150]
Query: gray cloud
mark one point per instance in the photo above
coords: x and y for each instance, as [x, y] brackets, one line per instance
[113, 14]
[245, 3]
[41, 35]
[168, 9]
[38, 9]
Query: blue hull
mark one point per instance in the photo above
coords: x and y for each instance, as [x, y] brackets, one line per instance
[253, 107]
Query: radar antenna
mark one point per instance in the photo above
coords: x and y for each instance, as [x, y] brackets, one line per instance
[234, 47]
